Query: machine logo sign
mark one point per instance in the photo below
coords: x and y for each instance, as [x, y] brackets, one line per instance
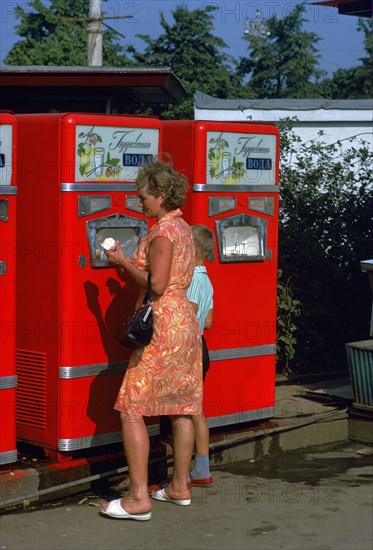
[112, 153]
[258, 164]
[131, 159]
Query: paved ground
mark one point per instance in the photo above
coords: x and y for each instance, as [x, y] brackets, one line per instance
[300, 421]
[318, 499]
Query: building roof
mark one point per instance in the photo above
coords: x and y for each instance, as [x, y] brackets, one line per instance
[272, 110]
[358, 8]
[205, 101]
[88, 89]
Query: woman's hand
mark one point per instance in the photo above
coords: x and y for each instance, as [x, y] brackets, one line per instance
[117, 256]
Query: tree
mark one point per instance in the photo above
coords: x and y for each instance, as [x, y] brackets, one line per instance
[354, 82]
[193, 53]
[326, 205]
[48, 39]
[282, 58]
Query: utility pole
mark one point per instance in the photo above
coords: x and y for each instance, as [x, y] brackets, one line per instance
[94, 28]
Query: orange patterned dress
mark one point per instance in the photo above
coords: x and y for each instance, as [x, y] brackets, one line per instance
[165, 378]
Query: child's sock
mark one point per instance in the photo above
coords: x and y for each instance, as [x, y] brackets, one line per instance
[201, 468]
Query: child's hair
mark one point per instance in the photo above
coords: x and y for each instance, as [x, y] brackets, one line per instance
[203, 239]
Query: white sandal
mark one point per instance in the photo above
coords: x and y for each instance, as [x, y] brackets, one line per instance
[116, 510]
[163, 496]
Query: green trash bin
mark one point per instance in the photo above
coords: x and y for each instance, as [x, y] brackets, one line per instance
[360, 364]
[367, 267]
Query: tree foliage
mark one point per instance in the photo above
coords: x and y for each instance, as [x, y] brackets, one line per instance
[282, 58]
[354, 82]
[325, 231]
[193, 52]
[49, 39]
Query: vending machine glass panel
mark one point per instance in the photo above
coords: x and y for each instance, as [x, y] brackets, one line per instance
[241, 238]
[6, 162]
[125, 229]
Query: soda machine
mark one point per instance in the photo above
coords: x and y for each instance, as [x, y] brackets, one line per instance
[76, 188]
[8, 198]
[233, 171]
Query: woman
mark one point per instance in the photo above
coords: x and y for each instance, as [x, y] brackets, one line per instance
[164, 378]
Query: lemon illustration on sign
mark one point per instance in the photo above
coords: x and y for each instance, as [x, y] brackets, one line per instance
[229, 181]
[87, 149]
[215, 163]
[238, 174]
[84, 160]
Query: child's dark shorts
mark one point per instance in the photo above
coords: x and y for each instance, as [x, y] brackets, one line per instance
[205, 358]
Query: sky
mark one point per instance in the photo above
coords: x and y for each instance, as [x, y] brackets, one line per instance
[341, 44]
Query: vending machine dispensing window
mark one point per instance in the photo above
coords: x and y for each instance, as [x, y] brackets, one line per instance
[125, 229]
[241, 238]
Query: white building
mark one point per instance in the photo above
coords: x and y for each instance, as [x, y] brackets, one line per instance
[339, 119]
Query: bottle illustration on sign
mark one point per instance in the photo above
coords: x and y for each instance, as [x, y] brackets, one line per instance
[98, 160]
[222, 167]
[215, 154]
[225, 166]
[92, 161]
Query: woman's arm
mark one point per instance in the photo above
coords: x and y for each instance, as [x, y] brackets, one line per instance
[119, 259]
[160, 261]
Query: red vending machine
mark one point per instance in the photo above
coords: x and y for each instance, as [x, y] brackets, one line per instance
[233, 173]
[8, 378]
[76, 188]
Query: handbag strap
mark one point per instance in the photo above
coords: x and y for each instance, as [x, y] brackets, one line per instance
[149, 295]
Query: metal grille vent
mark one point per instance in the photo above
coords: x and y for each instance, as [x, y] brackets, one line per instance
[360, 363]
[31, 391]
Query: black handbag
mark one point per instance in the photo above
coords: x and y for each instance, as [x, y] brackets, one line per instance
[137, 330]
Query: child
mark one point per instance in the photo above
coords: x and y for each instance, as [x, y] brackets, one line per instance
[200, 293]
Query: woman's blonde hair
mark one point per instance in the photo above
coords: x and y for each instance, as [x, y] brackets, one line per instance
[160, 178]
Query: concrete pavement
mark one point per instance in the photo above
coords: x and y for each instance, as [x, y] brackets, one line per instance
[306, 415]
[313, 499]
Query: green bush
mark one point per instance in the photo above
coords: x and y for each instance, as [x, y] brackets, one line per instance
[287, 313]
[325, 230]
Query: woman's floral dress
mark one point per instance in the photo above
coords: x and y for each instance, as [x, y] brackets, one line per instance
[165, 378]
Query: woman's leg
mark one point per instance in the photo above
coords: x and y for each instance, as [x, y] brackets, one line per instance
[183, 438]
[136, 449]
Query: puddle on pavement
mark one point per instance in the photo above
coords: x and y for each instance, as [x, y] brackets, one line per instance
[309, 466]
